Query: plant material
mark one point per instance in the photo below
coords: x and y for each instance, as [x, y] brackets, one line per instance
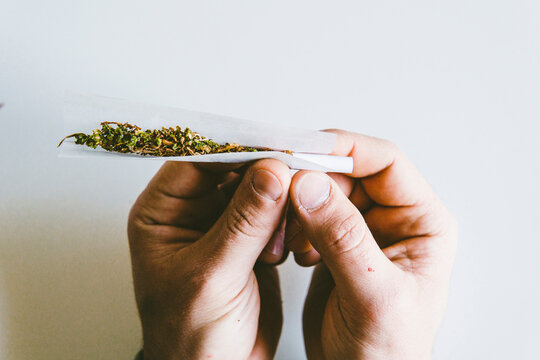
[127, 138]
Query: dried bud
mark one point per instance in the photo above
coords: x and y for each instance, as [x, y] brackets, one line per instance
[127, 138]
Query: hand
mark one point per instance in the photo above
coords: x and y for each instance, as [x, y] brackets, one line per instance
[364, 302]
[194, 249]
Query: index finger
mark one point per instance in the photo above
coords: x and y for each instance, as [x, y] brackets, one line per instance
[186, 180]
[387, 176]
[181, 194]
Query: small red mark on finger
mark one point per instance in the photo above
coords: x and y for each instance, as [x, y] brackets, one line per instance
[209, 356]
[370, 269]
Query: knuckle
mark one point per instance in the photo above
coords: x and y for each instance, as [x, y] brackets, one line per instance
[430, 219]
[426, 222]
[241, 221]
[136, 229]
[393, 151]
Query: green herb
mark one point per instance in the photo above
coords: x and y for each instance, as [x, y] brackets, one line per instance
[127, 138]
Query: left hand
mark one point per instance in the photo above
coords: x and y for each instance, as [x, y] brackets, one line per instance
[194, 249]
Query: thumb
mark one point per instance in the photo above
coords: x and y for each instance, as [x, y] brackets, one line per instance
[251, 218]
[339, 233]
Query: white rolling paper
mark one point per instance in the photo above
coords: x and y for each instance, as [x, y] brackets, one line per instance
[83, 113]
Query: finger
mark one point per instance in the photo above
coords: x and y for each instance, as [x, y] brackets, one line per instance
[273, 251]
[319, 291]
[184, 180]
[175, 192]
[338, 232]
[345, 183]
[196, 214]
[219, 167]
[251, 218]
[178, 195]
[190, 213]
[360, 198]
[229, 185]
[297, 241]
[307, 259]
[147, 240]
[387, 176]
[232, 180]
[392, 224]
[295, 238]
[304, 253]
[271, 313]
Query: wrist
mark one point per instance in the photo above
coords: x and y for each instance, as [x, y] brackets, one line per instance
[389, 350]
[166, 341]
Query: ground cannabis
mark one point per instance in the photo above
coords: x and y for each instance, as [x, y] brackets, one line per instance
[127, 138]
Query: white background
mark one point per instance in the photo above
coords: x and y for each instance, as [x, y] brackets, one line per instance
[456, 84]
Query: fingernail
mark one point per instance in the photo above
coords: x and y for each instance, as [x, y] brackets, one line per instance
[276, 244]
[266, 184]
[313, 190]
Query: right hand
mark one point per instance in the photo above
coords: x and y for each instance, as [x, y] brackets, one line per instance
[387, 245]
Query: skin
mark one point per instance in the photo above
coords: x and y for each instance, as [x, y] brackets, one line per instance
[203, 243]
[194, 249]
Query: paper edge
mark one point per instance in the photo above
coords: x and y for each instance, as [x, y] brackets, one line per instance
[296, 161]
